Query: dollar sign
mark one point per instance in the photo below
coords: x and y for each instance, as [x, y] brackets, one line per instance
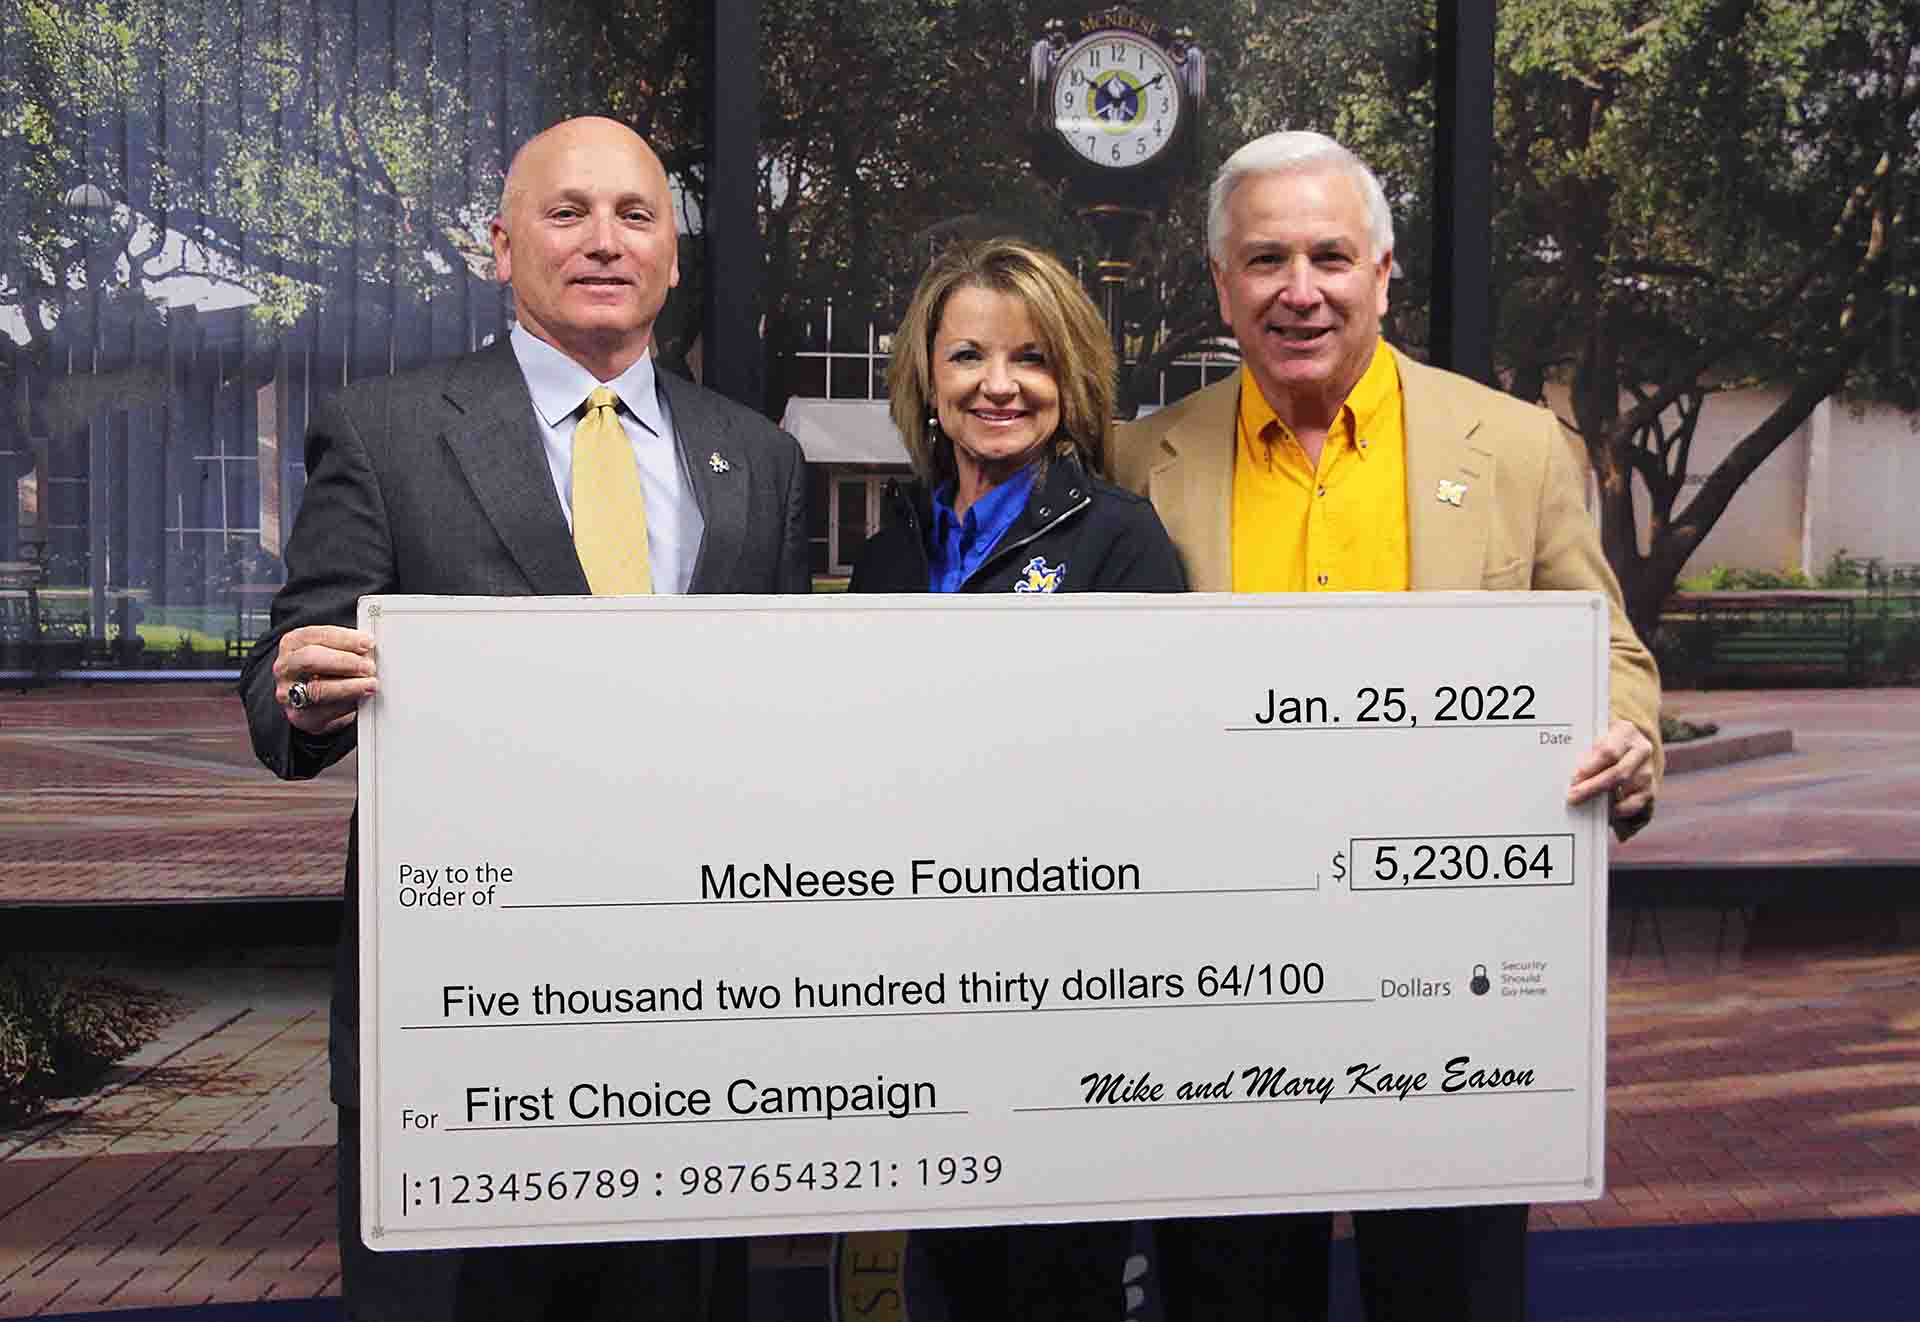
[1339, 867]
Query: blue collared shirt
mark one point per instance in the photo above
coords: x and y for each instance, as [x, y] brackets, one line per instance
[559, 387]
[958, 546]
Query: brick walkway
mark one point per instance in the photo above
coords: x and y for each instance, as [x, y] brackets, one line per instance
[201, 1171]
[151, 792]
[1758, 1072]
[1782, 1090]
[1846, 792]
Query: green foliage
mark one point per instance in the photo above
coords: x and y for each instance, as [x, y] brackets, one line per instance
[1727, 578]
[1844, 571]
[314, 157]
[183, 646]
[1762, 580]
[1675, 730]
[1695, 196]
[60, 1022]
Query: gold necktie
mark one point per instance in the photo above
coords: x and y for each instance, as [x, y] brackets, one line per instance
[609, 513]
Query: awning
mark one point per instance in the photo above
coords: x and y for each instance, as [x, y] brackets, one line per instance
[844, 431]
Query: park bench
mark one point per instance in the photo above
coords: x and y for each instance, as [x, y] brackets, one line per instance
[18, 628]
[1767, 637]
[33, 643]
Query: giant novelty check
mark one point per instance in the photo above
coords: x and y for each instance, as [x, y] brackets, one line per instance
[710, 916]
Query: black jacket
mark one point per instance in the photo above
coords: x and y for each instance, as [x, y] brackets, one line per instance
[1077, 534]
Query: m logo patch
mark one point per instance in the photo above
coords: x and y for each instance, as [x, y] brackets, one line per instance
[1041, 576]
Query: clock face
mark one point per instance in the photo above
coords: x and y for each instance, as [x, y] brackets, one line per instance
[1116, 100]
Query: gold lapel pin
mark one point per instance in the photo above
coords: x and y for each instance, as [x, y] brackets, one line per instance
[1451, 493]
[719, 465]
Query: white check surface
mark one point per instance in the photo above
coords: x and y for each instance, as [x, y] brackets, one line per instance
[694, 916]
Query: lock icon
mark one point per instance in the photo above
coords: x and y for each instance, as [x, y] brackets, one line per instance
[1480, 983]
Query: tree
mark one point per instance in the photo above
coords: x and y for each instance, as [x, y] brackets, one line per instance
[642, 62]
[878, 123]
[268, 148]
[1698, 196]
[885, 130]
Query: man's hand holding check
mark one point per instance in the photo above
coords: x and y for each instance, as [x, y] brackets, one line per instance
[322, 673]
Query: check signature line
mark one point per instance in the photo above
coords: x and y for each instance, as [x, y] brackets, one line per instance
[907, 899]
[1271, 1101]
[1221, 1004]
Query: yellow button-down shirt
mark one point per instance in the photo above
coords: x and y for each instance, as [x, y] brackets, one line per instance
[1339, 528]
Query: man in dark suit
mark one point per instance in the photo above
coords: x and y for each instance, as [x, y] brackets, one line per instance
[556, 463]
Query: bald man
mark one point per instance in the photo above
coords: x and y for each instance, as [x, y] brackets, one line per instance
[458, 478]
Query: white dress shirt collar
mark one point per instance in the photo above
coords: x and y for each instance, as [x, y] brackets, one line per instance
[559, 385]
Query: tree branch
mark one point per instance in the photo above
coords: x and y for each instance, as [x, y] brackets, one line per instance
[1705, 509]
[1689, 372]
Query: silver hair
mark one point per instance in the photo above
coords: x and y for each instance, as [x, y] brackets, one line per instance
[1289, 153]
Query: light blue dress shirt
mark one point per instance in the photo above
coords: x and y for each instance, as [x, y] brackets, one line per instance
[559, 387]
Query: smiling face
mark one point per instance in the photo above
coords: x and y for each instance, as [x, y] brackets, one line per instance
[994, 387]
[1302, 288]
[586, 239]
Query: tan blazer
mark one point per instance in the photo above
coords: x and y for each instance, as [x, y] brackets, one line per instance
[1521, 522]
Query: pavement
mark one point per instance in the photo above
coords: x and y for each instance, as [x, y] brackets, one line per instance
[1756, 1072]
[151, 792]
[200, 1170]
[1846, 793]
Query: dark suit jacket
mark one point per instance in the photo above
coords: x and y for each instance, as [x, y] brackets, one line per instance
[434, 481]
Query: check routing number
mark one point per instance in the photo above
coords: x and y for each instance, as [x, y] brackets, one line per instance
[697, 916]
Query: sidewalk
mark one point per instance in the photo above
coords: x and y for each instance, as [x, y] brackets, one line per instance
[1846, 793]
[145, 792]
[201, 1169]
[1749, 1081]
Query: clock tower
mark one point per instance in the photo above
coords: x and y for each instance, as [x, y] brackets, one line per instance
[1115, 100]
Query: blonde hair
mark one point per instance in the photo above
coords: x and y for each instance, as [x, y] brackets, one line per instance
[1070, 330]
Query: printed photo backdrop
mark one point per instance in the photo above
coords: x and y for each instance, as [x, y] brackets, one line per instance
[1702, 262]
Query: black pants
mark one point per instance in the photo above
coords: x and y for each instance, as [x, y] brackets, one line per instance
[1444, 1264]
[1243, 1268]
[1063, 1273]
[664, 1281]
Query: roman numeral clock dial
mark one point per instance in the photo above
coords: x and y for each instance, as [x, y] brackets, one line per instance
[1116, 100]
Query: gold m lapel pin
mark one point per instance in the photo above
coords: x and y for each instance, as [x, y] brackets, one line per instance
[1451, 493]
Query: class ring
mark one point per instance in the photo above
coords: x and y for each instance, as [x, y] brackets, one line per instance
[297, 696]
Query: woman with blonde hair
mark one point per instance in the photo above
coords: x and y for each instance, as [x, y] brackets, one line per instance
[1002, 386]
